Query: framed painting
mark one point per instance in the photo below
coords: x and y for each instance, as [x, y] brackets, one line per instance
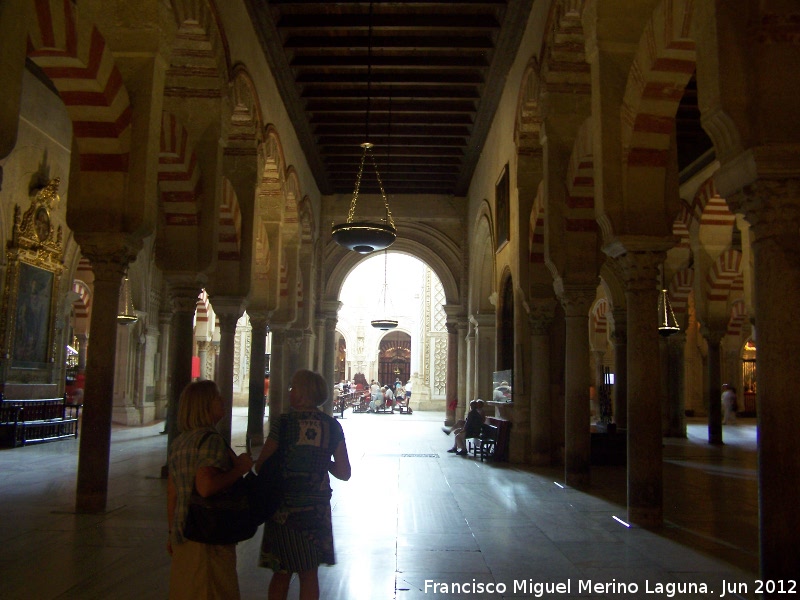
[32, 318]
[502, 210]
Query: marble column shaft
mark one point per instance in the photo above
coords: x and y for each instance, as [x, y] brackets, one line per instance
[258, 365]
[676, 416]
[645, 485]
[576, 301]
[329, 358]
[541, 416]
[227, 320]
[278, 382]
[95, 439]
[772, 207]
[619, 337]
[451, 377]
[713, 385]
[184, 304]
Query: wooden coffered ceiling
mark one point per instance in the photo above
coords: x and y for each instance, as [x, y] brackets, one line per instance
[431, 84]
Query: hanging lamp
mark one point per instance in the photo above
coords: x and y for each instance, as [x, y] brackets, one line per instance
[384, 324]
[364, 236]
[126, 313]
[667, 323]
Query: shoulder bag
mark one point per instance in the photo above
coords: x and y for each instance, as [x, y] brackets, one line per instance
[224, 518]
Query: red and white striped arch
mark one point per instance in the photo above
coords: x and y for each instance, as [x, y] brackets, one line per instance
[200, 57]
[711, 210]
[680, 227]
[229, 223]
[579, 214]
[536, 230]
[178, 174]
[202, 316]
[82, 306]
[284, 278]
[724, 276]
[599, 324]
[74, 56]
[663, 65]
[680, 287]
[738, 317]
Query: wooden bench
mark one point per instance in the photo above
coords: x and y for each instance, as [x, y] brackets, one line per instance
[37, 420]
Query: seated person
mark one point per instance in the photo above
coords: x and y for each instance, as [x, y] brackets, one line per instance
[378, 400]
[388, 396]
[471, 428]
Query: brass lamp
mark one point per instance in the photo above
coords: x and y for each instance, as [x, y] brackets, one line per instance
[667, 323]
[126, 313]
[384, 324]
[364, 236]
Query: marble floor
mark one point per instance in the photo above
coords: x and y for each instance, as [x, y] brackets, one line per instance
[413, 522]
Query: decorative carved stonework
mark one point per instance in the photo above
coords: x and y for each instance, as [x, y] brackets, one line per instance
[640, 270]
[771, 206]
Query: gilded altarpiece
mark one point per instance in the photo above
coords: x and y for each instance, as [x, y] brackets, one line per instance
[30, 294]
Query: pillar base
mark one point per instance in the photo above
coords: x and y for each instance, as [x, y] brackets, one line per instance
[126, 415]
[579, 481]
[540, 459]
[648, 518]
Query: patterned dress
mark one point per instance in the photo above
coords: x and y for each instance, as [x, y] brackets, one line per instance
[299, 537]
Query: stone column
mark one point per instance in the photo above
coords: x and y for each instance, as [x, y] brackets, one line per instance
[124, 411]
[676, 415]
[294, 341]
[469, 389]
[541, 317]
[203, 347]
[330, 311]
[278, 384]
[640, 270]
[258, 364]
[485, 353]
[576, 301]
[599, 381]
[227, 317]
[451, 380]
[619, 337]
[109, 258]
[183, 300]
[772, 206]
[164, 375]
[463, 327]
[713, 380]
[83, 340]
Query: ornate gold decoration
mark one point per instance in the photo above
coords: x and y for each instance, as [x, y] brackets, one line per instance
[31, 292]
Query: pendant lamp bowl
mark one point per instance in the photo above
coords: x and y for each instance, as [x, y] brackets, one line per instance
[384, 324]
[667, 323]
[364, 237]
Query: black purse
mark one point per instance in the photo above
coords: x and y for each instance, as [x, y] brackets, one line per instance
[266, 488]
[224, 518]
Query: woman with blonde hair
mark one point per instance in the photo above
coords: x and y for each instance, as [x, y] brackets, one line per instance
[299, 536]
[200, 458]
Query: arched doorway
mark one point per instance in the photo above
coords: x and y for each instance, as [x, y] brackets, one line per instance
[394, 358]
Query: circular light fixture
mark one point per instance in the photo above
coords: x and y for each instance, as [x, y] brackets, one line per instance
[384, 324]
[363, 237]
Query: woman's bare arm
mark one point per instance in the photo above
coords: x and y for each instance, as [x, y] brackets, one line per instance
[340, 467]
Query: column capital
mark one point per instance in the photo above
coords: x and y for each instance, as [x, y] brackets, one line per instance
[576, 298]
[640, 269]
[483, 319]
[540, 315]
[712, 335]
[772, 207]
[109, 253]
